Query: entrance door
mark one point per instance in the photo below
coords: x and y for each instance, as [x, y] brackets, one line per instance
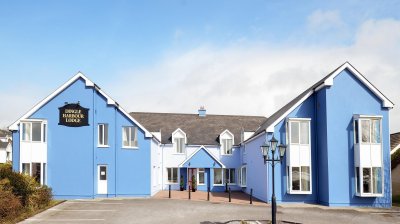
[102, 179]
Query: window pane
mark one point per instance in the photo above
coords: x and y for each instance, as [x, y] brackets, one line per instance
[218, 176]
[36, 171]
[174, 175]
[44, 173]
[232, 176]
[101, 134]
[296, 178]
[125, 134]
[44, 132]
[367, 180]
[105, 134]
[201, 176]
[169, 174]
[304, 132]
[103, 173]
[36, 131]
[26, 131]
[294, 132]
[358, 179]
[377, 180]
[244, 177]
[134, 137]
[365, 131]
[376, 131]
[26, 168]
[131, 135]
[229, 144]
[305, 178]
[356, 131]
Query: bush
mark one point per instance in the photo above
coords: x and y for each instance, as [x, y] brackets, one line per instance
[395, 159]
[10, 205]
[40, 198]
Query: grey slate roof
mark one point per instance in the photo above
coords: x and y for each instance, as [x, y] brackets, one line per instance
[199, 130]
[3, 145]
[394, 140]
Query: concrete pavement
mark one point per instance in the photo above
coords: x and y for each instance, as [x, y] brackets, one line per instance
[156, 210]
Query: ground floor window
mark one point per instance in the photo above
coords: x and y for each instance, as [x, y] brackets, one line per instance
[200, 176]
[230, 176]
[172, 175]
[371, 182]
[35, 170]
[299, 179]
[218, 176]
[242, 176]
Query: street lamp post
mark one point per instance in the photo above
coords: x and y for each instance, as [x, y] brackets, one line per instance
[265, 149]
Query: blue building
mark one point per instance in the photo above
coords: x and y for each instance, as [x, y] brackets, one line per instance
[80, 142]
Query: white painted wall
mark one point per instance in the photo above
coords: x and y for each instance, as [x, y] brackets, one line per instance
[156, 166]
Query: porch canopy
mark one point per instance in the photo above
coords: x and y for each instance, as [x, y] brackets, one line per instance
[202, 158]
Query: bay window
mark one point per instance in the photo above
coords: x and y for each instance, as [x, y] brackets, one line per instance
[368, 156]
[33, 131]
[298, 157]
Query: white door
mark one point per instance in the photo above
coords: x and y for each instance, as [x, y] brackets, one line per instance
[102, 179]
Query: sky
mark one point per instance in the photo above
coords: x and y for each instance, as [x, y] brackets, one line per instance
[232, 57]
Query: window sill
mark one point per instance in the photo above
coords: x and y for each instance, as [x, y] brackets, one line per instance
[369, 195]
[178, 153]
[299, 192]
[103, 146]
[201, 184]
[126, 147]
[226, 154]
[170, 183]
[218, 185]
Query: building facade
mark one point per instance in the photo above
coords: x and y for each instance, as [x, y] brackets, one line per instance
[80, 142]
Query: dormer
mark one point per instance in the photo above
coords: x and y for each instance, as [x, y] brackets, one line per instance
[179, 141]
[226, 139]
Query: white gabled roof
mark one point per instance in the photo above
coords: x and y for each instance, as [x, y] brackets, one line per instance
[209, 153]
[88, 82]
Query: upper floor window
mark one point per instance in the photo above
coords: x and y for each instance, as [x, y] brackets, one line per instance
[226, 139]
[299, 156]
[368, 156]
[179, 141]
[129, 137]
[33, 131]
[103, 135]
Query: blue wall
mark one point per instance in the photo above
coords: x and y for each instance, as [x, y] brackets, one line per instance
[73, 155]
[348, 96]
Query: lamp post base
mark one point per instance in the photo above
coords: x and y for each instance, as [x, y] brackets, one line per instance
[273, 209]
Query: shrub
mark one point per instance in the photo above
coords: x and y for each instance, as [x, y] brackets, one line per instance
[10, 205]
[40, 198]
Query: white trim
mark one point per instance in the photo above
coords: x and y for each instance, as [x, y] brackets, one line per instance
[88, 82]
[197, 150]
[175, 146]
[395, 149]
[222, 151]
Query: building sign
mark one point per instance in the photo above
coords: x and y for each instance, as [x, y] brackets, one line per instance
[73, 115]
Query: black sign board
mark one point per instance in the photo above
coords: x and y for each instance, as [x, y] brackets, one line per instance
[73, 115]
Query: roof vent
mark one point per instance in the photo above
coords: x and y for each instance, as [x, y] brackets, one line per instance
[202, 111]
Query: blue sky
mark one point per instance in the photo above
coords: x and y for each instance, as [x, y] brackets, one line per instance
[173, 56]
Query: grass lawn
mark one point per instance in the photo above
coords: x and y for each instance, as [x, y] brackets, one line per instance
[396, 200]
[27, 214]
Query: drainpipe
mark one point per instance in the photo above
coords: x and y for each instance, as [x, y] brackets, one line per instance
[115, 151]
[94, 177]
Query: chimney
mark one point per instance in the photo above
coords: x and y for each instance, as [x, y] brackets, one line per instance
[202, 111]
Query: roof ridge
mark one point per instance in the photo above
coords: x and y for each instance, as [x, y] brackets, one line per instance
[227, 115]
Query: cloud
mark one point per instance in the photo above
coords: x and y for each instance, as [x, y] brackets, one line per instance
[258, 79]
[324, 20]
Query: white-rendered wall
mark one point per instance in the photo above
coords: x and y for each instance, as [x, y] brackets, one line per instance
[156, 167]
[3, 154]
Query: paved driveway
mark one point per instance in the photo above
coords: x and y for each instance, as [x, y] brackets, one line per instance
[184, 211]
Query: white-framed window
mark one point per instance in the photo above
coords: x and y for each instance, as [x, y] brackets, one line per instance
[102, 135]
[200, 176]
[368, 156]
[230, 176]
[33, 131]
[218, 176]
[36, 170]
[129, 137]
[226, 139]
[172, 175]
[298, 158]
[242, 176]
[179, 141]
